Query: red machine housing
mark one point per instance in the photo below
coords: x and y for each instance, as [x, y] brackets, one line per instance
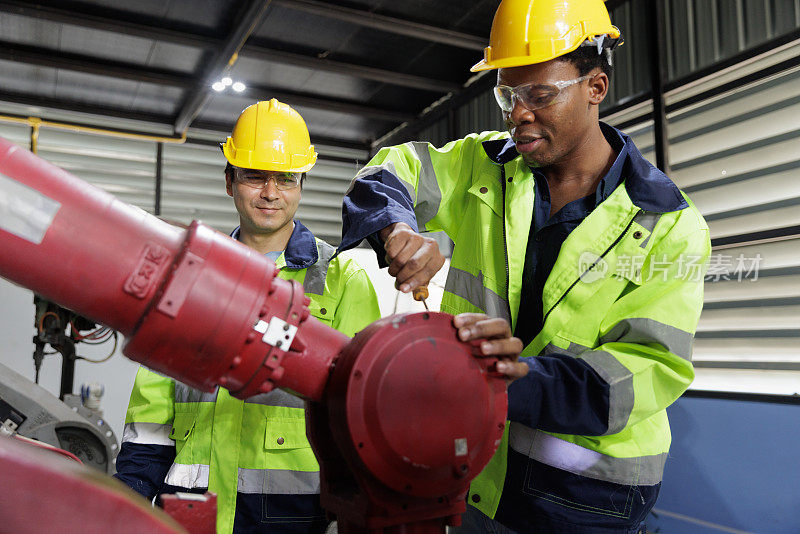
[401, 418]
[410, 417]
[45, 492]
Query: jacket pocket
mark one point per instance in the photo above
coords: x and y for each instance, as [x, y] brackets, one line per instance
[323, 309]
[283, 433]
[579, 498]
[182, 429]
[487, 189]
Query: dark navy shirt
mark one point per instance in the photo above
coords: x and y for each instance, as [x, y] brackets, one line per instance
[547, 234]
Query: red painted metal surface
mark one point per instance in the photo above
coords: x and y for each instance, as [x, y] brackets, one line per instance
[42, 492]
[401, 418]
[196, 513]
[414, 416]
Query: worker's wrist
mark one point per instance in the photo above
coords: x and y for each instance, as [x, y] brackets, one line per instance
[386, 231]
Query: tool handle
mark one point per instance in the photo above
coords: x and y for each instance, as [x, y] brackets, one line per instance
[420, 293]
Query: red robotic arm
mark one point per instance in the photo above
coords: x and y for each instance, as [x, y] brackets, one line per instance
[401, 417]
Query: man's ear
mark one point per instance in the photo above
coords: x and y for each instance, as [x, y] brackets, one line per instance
[598, 87]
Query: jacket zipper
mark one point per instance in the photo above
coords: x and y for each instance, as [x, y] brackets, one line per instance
[505, 242]
[617, 240]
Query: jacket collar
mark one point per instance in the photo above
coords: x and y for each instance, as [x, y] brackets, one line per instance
[301, 250]
[648, 188]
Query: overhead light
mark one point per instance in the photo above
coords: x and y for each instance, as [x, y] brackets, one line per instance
[225, 82]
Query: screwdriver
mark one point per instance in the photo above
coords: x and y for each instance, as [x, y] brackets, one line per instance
[420, 294]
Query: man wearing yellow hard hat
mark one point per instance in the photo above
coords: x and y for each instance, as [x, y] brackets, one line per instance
[254, 453]
[579, 262]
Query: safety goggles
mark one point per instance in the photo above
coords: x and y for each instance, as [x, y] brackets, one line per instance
[532, 95]
[284, 181]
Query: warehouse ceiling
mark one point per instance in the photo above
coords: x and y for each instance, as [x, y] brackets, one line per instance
[355, 70]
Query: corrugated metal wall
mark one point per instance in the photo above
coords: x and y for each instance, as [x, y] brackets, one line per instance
[737, 155]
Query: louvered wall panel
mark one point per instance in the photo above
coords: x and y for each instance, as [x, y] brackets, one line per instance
[16, 133]
[193, 187]
[123, 167]
[738, 156]
[748, 338]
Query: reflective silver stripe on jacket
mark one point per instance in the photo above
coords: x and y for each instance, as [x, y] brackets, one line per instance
[184, 393]
[642, 330]
[620, 387]
[276, 397]
[429, 196]
[314, 282]
[147, 434]
[648, 220]
[550, 450]
[188, 476]
[278, 481]
[470, 288]
[616, 375]
[387, 166]
[573, 350]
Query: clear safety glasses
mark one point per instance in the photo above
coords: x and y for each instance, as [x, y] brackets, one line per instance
[531, 95]
[258, 179]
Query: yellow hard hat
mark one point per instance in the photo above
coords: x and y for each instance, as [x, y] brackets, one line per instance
[534, 31]
[270, 136]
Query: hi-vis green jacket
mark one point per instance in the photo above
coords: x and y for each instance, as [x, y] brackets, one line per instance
[588, 433]
[254, 453]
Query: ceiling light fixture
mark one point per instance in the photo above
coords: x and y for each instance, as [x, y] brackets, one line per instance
[226, 81]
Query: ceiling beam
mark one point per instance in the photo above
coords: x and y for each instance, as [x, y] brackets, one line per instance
[60, 60]
[105, 23]
[326, 104]
[387, 24]
[26, 99]
[405, 132]
[251, 51]
[225, 128]
[44, 57]
[250, 18]
[151, 119]
[349, 69]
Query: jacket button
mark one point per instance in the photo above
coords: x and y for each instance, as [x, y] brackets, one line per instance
[323, 311]
[476, 498]
[484, 190]
[280, 441]
[637, 234]
[510, 179]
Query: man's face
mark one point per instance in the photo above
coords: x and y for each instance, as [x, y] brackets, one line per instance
[547, 135]
[264, 206]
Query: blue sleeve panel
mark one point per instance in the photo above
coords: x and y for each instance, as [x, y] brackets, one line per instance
[373, 203]
[144, 467]
[560, 394]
